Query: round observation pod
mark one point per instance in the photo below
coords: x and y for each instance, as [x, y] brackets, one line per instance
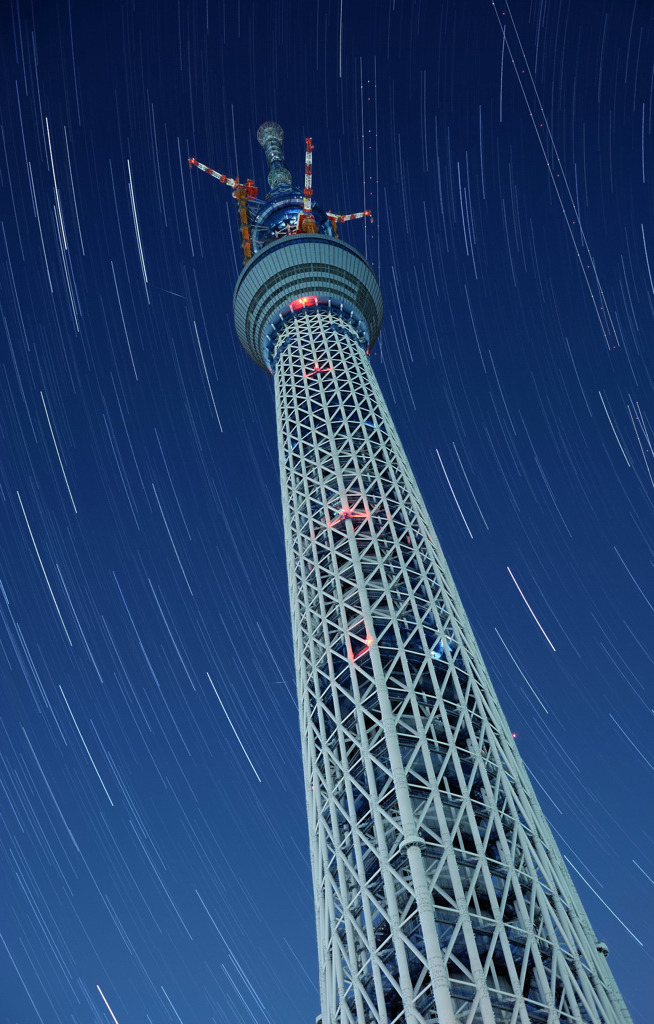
[299, 271]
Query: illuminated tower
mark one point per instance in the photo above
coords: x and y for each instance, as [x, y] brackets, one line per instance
[440, 894]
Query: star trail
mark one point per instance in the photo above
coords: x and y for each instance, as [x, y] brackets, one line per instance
[153, 839]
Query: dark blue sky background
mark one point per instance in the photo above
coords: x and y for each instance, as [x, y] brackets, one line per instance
[510, 168]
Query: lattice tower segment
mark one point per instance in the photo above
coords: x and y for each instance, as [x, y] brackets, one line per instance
[440, 893]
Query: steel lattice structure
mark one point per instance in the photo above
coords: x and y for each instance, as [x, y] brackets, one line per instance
[440, 894]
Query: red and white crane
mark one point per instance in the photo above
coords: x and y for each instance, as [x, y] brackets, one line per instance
[306, 221]
[340, 218]
[249, 186]
[242, 192]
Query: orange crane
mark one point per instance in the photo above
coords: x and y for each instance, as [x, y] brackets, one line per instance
[242, 192]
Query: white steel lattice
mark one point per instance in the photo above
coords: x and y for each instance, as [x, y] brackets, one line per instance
[440, 893]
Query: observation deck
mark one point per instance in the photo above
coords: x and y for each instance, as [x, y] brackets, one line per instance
[317, 268]
[295, 260]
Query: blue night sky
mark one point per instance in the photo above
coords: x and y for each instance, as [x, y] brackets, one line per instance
[153, 839]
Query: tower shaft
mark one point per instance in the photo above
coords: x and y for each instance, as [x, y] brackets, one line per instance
[439, 892]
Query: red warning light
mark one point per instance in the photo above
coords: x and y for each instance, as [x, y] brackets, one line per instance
[307, 300]
[318, 369]
[347, 513]
[369, 641]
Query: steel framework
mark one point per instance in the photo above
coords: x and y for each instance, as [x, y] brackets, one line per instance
[440, 894]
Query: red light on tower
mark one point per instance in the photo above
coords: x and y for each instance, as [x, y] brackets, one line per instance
[306, 300]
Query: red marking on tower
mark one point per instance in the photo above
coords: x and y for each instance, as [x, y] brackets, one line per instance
[347, 513]
[307, 300]
[318, 369]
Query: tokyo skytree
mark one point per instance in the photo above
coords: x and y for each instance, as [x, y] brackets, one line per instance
[440, 894]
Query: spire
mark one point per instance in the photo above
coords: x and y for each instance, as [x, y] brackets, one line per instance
[271, 137]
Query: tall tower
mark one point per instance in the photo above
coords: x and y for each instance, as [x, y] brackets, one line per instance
[440, 894]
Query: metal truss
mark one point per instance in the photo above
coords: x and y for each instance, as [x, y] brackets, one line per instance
[440, 893]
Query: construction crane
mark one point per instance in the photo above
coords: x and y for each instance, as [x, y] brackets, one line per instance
[340, 218]
[242, 192]
[306, 222]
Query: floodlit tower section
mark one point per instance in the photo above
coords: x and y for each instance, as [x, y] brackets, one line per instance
[440, 894]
